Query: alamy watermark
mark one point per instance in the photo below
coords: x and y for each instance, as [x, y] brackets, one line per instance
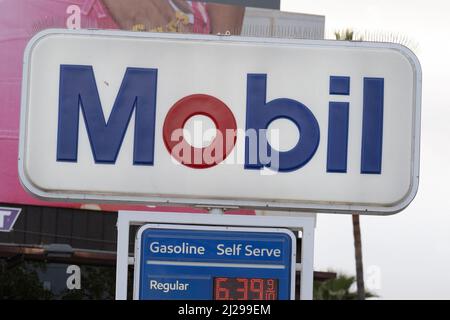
[223, 149]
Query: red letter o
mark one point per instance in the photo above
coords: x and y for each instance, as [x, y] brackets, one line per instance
[206, 105]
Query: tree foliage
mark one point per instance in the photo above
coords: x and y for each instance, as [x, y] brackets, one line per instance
[337, 289]
[21, 282]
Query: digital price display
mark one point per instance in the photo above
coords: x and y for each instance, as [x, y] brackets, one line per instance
[245, 289]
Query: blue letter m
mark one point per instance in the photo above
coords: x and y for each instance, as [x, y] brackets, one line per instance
[78, 89]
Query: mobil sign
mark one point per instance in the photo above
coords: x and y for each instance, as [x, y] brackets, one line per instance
[320, 126]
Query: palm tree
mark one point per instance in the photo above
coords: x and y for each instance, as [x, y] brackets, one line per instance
[358, 257]
[338, 289]
[344, 35]
[348, 35]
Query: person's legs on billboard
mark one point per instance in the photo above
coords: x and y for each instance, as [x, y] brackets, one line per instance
[176, 16]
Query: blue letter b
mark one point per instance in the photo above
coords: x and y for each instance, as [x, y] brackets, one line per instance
[259, 116]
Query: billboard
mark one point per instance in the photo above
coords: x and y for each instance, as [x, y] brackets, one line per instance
[20, 20]
[292, 129]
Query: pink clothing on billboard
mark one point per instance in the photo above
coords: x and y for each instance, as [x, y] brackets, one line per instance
[202, 24]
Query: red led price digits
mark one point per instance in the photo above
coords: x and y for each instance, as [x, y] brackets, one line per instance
[245, 289]
[257, 286]
[242, 288]
[271, 293]
[220, 292]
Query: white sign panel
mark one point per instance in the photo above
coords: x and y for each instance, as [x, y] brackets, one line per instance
[322, 126]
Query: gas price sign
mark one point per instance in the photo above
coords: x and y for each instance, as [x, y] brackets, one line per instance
[214, 263]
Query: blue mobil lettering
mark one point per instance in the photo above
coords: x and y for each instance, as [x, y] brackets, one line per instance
[137, 95]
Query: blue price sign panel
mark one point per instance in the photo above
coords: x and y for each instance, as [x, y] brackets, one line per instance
[214, 263]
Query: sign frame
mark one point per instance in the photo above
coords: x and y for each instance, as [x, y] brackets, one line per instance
[300, 206]
[305, 223]
[250, 230]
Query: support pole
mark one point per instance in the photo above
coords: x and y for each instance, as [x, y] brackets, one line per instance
[217, 211]
[123, 230]
[307, 259]
[361, 291]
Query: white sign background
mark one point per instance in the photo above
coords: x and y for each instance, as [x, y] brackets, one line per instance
[218, 66]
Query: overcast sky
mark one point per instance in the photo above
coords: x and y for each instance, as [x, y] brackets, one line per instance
[406, 256]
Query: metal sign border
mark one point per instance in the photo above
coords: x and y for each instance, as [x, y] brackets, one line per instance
[303, 206]
[137, 246]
